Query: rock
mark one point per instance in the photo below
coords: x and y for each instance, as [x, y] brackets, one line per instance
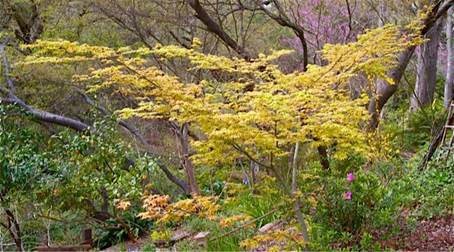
[270, 226]
[201, 238]
[179, 235]
[201, 235]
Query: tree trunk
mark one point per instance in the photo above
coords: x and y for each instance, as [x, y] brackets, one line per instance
[186, 160]
[324, 161]
[297, 206]
[29, 21]
[384, 90]
[14, 229]
[450, 61]
[426, 78]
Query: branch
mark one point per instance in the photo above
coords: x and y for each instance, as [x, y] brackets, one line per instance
[241, 150]
[349, 11]
[41, 115]
[48, 117]
[45, 116]
[282, 19]
[4, 225]
[215, 28]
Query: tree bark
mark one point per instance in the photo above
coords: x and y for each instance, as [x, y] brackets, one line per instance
[384, 90]
[426, 78]
[448, 93]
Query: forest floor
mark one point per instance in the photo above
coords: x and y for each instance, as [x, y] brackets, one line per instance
[429, 235]
[436, 234]
[129, 246]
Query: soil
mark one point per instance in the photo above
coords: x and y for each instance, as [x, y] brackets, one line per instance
[431, 235]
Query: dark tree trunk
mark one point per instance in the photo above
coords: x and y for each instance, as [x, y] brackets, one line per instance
[14, 230]
[323, 157]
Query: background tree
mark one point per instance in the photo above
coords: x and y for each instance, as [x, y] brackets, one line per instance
[448, 92]
[426, 78]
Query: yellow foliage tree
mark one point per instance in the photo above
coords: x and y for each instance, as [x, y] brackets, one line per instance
[242, 109]
[255, 111]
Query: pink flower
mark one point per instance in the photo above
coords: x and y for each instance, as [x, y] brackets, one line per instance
[348, 195]
[351, 177]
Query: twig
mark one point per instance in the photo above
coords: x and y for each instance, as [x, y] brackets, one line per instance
[241, 150]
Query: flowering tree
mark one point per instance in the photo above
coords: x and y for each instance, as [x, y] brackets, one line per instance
[327, 21]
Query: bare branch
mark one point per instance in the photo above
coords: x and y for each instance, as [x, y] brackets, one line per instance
[282, 19]
[215, 28]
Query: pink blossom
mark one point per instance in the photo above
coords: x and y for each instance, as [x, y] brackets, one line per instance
[326, 21]
[348, 195]
[351, 177]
